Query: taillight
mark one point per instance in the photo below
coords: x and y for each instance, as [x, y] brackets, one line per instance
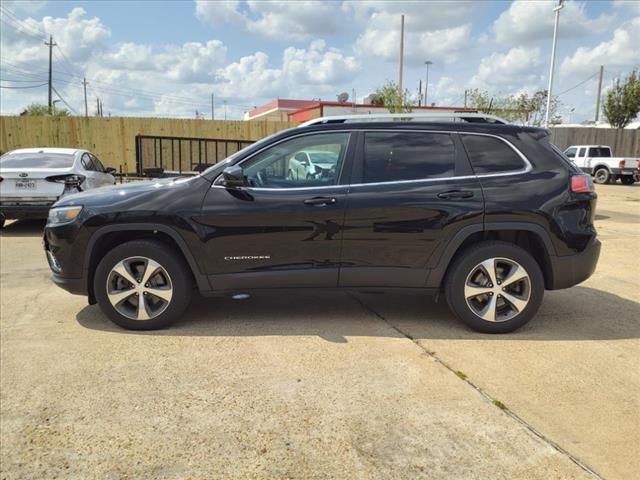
[621, 164]
[69, 179]
[581, 183]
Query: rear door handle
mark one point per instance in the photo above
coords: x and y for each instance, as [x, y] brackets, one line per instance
[456, 194]
[320, 201]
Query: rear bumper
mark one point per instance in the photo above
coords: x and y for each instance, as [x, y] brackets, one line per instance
[573, 269]
[19, 212]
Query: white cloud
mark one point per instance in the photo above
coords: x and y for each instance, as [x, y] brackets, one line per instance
[621, 51]
[510, 70]
[250, 77]
[436, 45]
[299, 21]
[302, 70]
[527, 20]
[317, 66]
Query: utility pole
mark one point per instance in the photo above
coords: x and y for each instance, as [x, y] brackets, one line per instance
[50, 45]
[553, 60]
[225, 109]
[213, 114]
[97, 107]
[420, 93]
[599, 93]
[86, 107]
[465, 98]
[401, 57]
[426, 85]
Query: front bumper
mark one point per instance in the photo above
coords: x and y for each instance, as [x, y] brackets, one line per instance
[77, 286]
[570, 270]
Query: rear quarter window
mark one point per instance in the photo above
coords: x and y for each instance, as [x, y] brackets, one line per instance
[491, 155]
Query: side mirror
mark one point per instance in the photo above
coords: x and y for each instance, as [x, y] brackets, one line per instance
[110, 170]
[233, 176]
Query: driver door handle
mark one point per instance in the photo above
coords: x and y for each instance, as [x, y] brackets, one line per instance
[320, 201]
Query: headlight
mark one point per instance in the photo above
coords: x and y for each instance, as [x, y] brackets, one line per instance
[62, 215]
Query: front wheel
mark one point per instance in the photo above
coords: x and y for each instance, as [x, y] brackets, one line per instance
[627, 180]
[494, 287]
[143, 285]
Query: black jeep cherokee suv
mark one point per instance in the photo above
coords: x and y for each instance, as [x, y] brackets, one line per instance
[490, 215]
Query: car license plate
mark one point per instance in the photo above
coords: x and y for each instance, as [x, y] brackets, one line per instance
[627, 172]
[25, 184]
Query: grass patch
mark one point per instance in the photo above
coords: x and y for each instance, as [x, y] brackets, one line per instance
[461, 375]
[499, 404]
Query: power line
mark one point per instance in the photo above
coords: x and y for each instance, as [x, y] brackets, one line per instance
[577, 85]
[64, 101]
[20, 81]
[33, 30]
[31, 86]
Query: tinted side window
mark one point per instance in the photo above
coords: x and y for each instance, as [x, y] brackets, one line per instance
[490, 155]
[571, 152]
[394, 156]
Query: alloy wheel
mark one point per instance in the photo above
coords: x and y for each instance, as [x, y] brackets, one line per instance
[497, 289]
[139, 288]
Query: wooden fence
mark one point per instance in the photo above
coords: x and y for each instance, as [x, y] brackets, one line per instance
[113, 139]
[625, 143]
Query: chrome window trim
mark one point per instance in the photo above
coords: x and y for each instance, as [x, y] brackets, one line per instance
[527, 165]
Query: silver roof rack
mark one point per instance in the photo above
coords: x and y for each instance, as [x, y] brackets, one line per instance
[453, 116]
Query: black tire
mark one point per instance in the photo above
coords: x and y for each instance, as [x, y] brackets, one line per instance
[2, 220]
[627, 180]
[170, 260]
[601, 175]
[464, 265]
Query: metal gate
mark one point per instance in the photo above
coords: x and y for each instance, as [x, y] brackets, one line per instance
[168, 156]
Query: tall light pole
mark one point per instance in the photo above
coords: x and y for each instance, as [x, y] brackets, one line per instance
[553, 60]
[426, 85]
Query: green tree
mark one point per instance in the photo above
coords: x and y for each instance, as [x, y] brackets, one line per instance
[622, 103]
[41, 110]
[389, 95]
[536, 107]
[506, 107]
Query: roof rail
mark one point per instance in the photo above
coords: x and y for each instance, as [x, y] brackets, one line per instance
[453, 116]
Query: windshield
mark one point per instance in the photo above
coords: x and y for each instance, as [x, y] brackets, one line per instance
[36, 160]
[323, 157]
[598, 152]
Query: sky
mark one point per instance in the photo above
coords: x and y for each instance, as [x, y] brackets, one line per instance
[166, 58]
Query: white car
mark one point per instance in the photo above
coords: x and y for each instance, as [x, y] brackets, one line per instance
[307, 164]
[32, 179]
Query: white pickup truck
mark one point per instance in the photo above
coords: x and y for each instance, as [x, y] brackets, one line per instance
[598, 161]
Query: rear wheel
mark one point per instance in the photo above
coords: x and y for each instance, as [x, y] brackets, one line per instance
[2, 220]
[143, 285]
[494, 287]
[627, 180]
[601, 176]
